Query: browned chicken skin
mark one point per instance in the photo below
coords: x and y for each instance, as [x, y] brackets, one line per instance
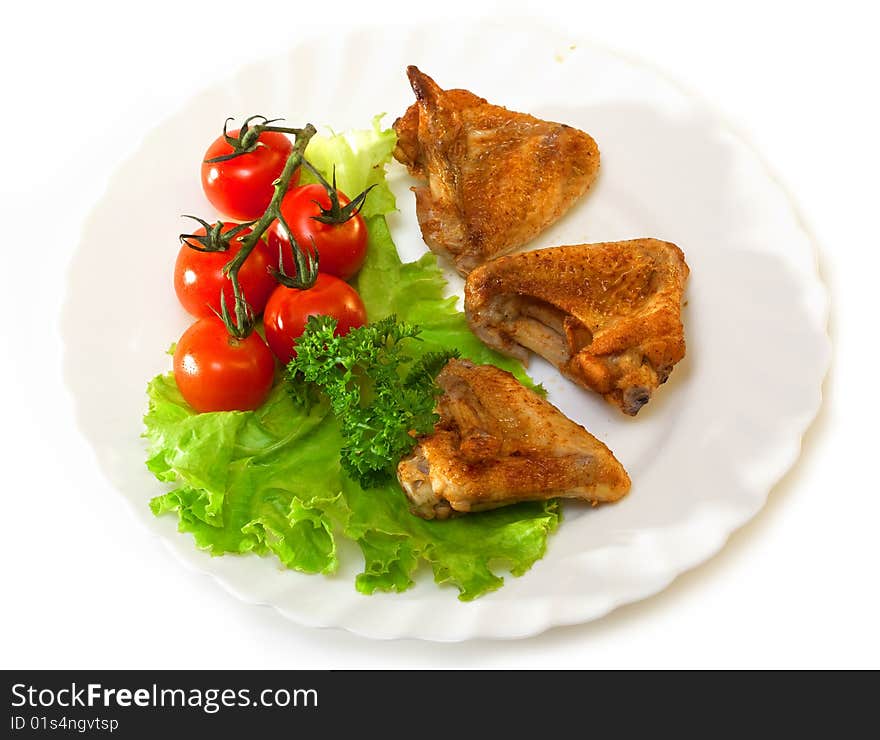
[494, 178]
[498, 443]
[607, 315]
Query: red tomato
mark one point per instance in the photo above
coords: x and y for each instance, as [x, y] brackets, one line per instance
[342, 248]
[199, 278]
[217, 372]
[241, 187]
[289, 309]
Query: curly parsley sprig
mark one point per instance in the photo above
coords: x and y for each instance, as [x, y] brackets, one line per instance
[381, 394]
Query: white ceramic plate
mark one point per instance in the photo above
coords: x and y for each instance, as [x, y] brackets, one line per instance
[703, 455]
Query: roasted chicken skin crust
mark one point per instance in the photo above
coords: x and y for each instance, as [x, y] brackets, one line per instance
[494, 178]
[497, 443]
[607, 315]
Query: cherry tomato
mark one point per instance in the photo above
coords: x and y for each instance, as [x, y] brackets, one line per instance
[199, 278]
[342, 248]
[289, 309]
[217, 372]
[241, 187]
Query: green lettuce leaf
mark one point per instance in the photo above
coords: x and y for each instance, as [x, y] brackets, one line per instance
[460, 551]
[414, 292]
[269, 481]
[359, 158]
[246, 480]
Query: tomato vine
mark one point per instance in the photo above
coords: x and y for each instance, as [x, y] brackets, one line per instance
[243, 324]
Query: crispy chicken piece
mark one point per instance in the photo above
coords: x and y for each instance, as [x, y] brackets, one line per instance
[607, 315]
[498, 443]
[495, 178]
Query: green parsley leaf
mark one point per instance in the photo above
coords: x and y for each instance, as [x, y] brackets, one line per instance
[380, 395]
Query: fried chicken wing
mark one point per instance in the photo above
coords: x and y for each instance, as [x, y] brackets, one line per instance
[494, 178]
[498, 443]
[607, 315]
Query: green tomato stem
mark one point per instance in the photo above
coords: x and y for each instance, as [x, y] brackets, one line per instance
[244, 319]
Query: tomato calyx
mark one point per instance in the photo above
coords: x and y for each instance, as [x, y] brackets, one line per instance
[336, 213]
[248, 136]
[215, 239]
[305, 261]
[239, 324]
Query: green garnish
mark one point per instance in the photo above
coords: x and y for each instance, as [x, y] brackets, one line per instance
[378, 402]
[270, 482]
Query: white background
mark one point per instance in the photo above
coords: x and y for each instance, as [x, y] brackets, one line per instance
[84, 586]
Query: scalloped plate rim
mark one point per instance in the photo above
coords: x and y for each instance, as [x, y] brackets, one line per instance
[696, 553]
